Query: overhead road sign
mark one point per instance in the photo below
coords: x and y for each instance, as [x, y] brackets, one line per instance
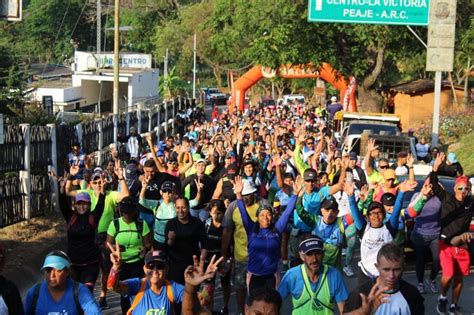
[398, 12]
[10, 10]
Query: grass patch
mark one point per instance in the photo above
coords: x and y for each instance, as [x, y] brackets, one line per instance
[465, 154]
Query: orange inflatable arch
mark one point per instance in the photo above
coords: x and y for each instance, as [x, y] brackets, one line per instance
[326, 72]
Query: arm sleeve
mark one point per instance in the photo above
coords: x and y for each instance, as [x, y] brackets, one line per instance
[416, 205]
[301, 166]
[64, 207]
[99, 208]
[246, 221]
[438, 191]
[149, 203]
[395, 217]
[87, 301]
[359, 220]
[340, 288]
[305, 216]
[285, 217]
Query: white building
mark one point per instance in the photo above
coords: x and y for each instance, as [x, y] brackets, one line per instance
[91, 84]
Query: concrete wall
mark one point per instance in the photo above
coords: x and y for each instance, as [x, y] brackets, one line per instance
[415, 109]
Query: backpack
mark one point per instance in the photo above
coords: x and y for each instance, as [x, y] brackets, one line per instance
[74, 220]
[141, 292]
[36, 291]
[138, 223]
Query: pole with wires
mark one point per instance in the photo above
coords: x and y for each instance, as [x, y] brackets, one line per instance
[116, 69]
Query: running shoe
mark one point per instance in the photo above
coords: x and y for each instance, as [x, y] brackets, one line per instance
[433, 284]
[442, 306]
[454, 309]
[421, 288]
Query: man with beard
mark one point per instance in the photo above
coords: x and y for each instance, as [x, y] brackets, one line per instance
[315, 288]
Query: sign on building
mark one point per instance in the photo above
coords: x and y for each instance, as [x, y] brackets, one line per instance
[402, 12]
[87, 60]
[10, 10]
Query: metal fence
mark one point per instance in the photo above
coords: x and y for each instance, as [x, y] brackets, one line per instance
[25, 187]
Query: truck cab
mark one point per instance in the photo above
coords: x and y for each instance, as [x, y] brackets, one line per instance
[353, 131]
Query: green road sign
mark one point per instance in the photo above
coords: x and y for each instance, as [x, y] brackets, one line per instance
[402, 12]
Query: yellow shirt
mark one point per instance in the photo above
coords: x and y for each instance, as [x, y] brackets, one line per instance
[240, 236]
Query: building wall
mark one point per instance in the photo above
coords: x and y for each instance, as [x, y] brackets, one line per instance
[418, 108]
[60, 95]
[144, 85]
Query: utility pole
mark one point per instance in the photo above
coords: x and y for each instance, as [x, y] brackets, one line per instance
[194, 69]
[165, 70]
[116, 69]
[99, 26]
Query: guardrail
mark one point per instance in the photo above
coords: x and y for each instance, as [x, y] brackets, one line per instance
[29, 152]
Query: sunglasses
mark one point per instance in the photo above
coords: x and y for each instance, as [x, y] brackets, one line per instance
[168, 191]
[309, 180]
[462, 188]
[378, 213]
[155, 266]
[383, 167]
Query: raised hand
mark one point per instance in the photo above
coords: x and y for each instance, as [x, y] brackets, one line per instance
[115, 255]
[364, 193]
[238, 185]
[371, 145]
[149, 139]
[199, 184]
[277, 160]
[408, 186]
[145, 179]
[195, 275]
[74, 169]
[118, 170]
[410, 160]
[439, 160]
[375, 298]
[298, 185]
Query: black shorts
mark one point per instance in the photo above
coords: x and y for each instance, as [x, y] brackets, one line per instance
[86, 274]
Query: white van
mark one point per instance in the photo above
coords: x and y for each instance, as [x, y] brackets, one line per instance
[292, 99]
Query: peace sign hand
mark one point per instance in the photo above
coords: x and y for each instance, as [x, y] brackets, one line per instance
[199, 185]
[115, 256]
[195, 275]
[118, 170]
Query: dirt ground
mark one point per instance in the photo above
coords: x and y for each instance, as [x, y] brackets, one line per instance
[27, 243]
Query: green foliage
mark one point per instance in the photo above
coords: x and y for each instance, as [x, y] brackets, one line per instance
[32, 114]
[466, 155]
[169, 87]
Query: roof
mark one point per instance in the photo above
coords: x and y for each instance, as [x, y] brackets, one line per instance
[44, 71]
[417, 86]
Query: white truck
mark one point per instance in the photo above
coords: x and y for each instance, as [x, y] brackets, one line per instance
[353, 131]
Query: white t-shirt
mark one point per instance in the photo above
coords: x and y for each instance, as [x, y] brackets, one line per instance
[372, 241]
[396, 305]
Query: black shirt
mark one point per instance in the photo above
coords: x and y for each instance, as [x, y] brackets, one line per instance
[154, 185]
[214, 238]
[207, 191]
[81, 231]
[411, 295]
[187, 242]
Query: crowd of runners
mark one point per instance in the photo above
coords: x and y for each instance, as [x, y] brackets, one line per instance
[262, 203]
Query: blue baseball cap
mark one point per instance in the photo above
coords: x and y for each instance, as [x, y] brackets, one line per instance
[57, 260]
[160, 153]
[310, 244]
